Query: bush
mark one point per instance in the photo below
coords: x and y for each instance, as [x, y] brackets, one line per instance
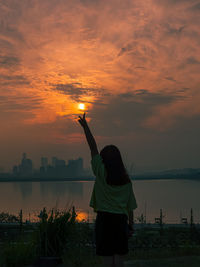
[8, 218]
[55, 229]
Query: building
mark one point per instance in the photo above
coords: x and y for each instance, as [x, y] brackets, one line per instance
[75, 167]
[26, 166]
[53, 161]
[44, 163]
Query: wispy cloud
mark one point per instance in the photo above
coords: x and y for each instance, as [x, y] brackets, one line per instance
[130, 58]
[77, 92]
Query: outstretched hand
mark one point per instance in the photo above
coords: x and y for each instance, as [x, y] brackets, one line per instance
[82, 121]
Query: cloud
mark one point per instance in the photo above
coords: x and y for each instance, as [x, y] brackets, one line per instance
[170, 79]
[135, 63]
[195, 8]
[16, 109]
[172, 3]
[176, 31]
[9, 61]
[127, 112]
[16, 80]
[192, 60]
[77, 92]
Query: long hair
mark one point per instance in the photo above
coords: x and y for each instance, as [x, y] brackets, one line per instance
[116, 172]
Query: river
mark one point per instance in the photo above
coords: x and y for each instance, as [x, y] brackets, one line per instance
[175, 197]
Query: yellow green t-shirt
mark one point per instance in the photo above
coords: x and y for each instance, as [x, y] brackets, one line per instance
[110, 198]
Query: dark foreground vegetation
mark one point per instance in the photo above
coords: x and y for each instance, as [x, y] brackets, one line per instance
[59, 237]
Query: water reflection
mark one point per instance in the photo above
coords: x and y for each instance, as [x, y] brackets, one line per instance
[174, 197]
[24, 188]
[58, 189]
[82, 216]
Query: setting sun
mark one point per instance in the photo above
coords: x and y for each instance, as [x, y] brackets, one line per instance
[81, 106]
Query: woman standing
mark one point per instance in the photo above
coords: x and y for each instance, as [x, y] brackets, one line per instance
[113, 199]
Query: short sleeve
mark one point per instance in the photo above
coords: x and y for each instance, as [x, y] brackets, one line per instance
[132, 204]
[98, 167]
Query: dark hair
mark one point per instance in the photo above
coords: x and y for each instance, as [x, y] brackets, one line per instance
[116, 172]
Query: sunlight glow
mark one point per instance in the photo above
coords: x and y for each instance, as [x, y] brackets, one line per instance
[81, 106]
[81, 216]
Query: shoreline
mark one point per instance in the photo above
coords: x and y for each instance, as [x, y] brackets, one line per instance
[137, 225]
[86, 179]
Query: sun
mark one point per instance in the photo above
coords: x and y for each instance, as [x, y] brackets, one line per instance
[81, 106]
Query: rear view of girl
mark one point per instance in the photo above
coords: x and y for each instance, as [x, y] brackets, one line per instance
[113, 199]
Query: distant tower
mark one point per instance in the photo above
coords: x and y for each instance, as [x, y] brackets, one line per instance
[75, 167]
[79, 166]
[44, 163]
[54, 161]
[26, 166]
[15, 170]
[24, 156]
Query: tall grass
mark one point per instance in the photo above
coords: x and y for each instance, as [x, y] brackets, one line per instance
[55, 230]
[59, 234]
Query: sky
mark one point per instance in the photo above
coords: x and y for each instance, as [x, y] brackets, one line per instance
[134, 64]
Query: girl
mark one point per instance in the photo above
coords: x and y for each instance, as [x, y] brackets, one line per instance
[113, 200]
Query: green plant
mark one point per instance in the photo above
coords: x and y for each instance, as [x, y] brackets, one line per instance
[7, 218]
[54, 231]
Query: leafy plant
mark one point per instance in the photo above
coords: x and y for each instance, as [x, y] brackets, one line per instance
[5, 217]
[54, 230]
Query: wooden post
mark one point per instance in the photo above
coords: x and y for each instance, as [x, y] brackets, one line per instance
[20, 220]
[191, 218]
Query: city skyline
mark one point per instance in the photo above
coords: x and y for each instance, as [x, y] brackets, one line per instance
[55, 167]
[74, 168]
[134, 64]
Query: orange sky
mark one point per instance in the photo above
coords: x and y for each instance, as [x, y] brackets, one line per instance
[135, 64]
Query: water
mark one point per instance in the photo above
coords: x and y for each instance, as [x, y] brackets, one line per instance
[175, 197]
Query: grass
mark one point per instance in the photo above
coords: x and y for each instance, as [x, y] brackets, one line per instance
[59, 234]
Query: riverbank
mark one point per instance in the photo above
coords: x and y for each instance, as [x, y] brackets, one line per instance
[23, 244]
[85, 179]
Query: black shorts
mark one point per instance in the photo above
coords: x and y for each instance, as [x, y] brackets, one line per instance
[111, 234]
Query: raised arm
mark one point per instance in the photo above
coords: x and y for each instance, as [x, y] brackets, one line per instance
[90, 139]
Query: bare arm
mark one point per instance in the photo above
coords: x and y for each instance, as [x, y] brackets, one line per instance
[89, 137]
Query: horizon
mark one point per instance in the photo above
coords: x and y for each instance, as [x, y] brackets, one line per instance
[131, 169]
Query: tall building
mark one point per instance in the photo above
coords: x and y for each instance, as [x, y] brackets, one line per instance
[75, 167]
[44, 163]
[15, 170]
[54, 160]
[60, 169]
[26, 166]
[60, 163]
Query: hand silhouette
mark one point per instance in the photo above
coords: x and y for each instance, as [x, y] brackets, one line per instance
[82, 121]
